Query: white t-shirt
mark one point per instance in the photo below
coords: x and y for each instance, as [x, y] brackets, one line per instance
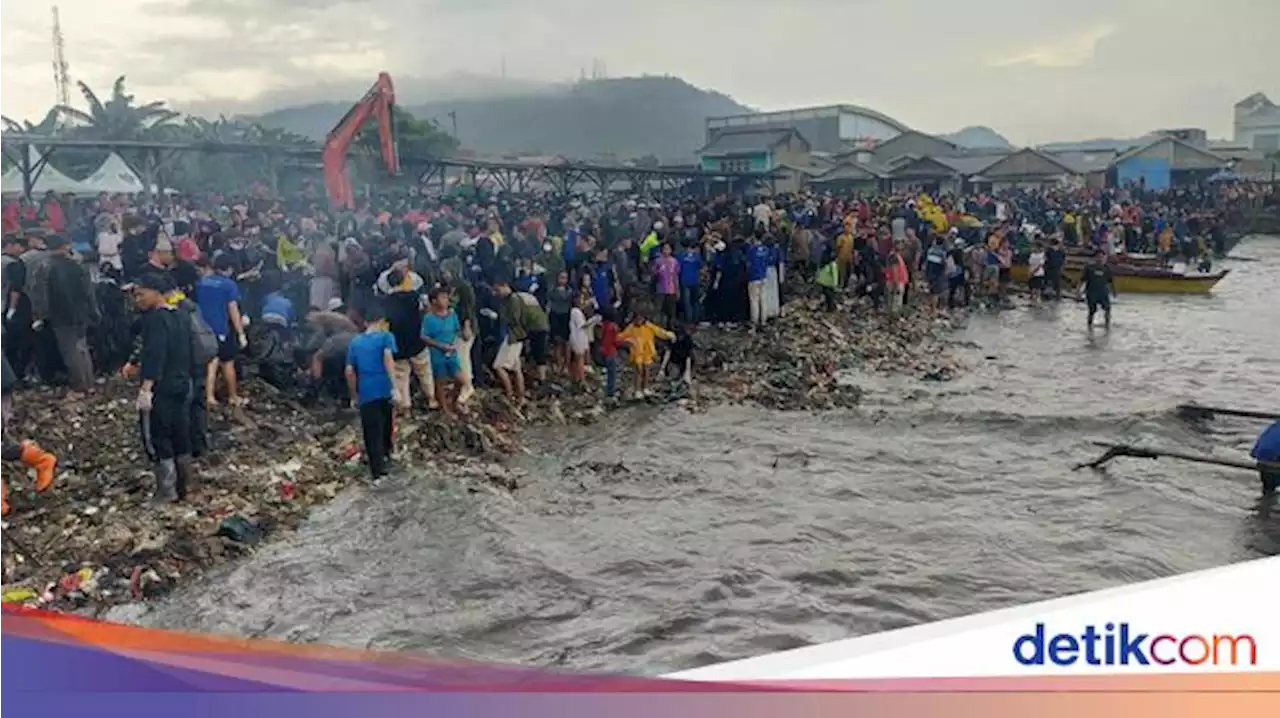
[109, 249]
[1036, 263]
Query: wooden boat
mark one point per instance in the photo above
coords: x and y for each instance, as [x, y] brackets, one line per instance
[1077, 260]
[1137, 280]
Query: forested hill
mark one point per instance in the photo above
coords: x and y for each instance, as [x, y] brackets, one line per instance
[623, 118]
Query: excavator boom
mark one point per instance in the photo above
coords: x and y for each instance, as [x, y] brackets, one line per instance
[378, 103]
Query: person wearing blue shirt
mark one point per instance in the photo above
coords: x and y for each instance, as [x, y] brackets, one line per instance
[779, 254]
[1267, 452]
[690, 259]
[277, 309]
[278, 317]
[759, 257]
[604, 281]
[441, 332]
[570, 249]
[370, 366]
[218, 300]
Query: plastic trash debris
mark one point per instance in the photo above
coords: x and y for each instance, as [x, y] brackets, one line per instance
[241, 530]
[18, 594]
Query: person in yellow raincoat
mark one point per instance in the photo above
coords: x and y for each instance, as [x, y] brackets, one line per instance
[642, 335]
[1164, 243]
[844, 256]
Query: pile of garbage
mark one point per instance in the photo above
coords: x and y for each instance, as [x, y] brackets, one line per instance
[803, 359]
[93, 540]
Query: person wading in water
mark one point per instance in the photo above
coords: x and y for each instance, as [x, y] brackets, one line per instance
[1099, 287]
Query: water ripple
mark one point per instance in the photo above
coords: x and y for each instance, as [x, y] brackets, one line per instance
[740, 531]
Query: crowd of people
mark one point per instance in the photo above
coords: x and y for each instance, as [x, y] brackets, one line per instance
[529, 294]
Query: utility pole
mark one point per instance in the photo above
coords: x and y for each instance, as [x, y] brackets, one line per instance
[61, 73]
[453, 117]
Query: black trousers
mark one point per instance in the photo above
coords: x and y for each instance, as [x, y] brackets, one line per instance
[198, 417]
[167, 429]
[19, 347]
[376, 425]
[48, 359]
[829, 299]
[1270, 480]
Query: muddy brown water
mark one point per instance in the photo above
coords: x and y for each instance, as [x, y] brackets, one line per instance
[662, 541]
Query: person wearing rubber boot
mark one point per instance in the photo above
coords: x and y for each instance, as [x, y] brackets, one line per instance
[163, 398]
[33, 457]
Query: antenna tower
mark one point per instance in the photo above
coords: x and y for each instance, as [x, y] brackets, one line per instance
[61, 75]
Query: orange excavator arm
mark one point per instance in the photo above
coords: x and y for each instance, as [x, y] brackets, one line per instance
[377, 102]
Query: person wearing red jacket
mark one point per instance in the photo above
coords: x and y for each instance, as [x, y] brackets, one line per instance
[10, 218]
[54, 217]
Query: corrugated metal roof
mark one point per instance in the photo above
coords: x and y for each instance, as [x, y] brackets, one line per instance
[807, 169]
[970, 165]
[850, 170]
[1166, 138]
[1085, 161]
[803, 113]
[926, 166]
[743, 141]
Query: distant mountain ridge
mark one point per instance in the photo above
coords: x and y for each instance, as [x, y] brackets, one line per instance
[624, 118]
[612, 119]
[978, 137]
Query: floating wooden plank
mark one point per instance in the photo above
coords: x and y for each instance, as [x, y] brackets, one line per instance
[1268, 472]
[1115, 451]
[1208, 412]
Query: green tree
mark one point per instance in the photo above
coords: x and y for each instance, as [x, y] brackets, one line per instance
[416, 139]
[226, 171]
[119, 118]
[47, 126]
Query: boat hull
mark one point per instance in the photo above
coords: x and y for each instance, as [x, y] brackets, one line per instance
[1136, 283]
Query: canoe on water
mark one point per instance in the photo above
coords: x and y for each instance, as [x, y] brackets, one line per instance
[1138, 280]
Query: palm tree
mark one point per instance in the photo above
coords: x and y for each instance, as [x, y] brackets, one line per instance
[257, 132]
[47, 126]
[118, 118]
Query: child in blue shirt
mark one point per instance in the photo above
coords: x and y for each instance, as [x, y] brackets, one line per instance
[370, 367]
[441, 332]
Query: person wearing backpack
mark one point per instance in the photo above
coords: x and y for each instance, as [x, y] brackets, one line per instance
[204, 351]
[165, 365]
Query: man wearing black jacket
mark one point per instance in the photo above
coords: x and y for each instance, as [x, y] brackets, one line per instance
[72, 308]
[165, 369]
[1054, 260]
[401, 291]
[19, 339]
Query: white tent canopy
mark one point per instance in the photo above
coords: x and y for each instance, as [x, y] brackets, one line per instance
[49, 179]
[115, 176]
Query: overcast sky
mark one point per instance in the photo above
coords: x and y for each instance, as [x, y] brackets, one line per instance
[1035, 70]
